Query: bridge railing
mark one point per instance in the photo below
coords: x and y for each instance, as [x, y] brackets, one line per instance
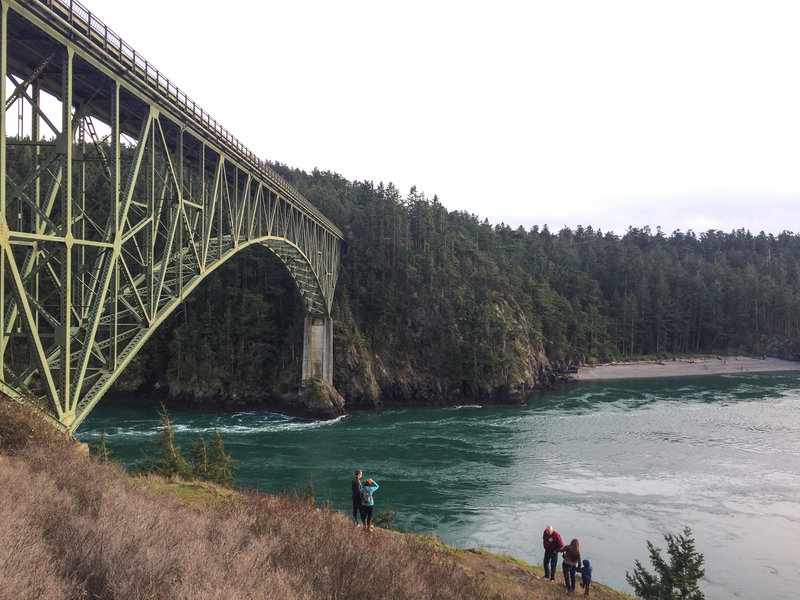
[83, 22]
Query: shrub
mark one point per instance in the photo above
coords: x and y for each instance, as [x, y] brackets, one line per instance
[384, 518]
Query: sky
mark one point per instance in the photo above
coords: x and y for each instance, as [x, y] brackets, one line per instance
[680, 115]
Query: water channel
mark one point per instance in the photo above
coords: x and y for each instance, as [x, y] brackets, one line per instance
[613, 464]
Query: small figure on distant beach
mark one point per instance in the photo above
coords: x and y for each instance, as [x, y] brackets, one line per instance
[552, 545]
[586, 576]
[368, 503]
[356, 486]
[570, 562]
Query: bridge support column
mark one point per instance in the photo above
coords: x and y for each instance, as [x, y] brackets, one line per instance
[318, 348]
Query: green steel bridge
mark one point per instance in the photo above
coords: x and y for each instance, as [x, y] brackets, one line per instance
[102, 236]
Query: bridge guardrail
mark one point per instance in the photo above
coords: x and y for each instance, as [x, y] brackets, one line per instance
[83, 22]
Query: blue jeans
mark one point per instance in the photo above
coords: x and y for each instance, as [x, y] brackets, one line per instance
[569, 576]
[550, 562]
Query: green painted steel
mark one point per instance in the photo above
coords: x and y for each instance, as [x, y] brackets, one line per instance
[102, 238]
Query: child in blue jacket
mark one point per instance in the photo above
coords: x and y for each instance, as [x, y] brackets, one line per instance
[586, 576]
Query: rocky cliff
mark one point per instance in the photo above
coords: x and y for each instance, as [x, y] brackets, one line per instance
[383, 378]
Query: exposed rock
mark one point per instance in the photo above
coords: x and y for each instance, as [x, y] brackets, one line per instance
[323, 402]
[372, 381]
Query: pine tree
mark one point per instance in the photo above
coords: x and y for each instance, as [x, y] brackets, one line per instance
[674, 580]
[100, 449]
[168, 461]
[221, 470]
[198, 455]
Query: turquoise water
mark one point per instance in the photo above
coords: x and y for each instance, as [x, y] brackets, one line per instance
[612, 463]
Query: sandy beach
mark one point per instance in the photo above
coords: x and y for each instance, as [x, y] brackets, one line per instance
[685, 367]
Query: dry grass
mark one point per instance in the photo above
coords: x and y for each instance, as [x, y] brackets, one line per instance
[76, 528]
[21, 424]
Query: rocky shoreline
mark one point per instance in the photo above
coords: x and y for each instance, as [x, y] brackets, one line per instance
[322, 401]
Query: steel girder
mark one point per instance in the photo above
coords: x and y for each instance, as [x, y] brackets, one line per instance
[102, 238]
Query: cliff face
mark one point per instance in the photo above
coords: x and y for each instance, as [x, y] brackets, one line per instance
[385, 377]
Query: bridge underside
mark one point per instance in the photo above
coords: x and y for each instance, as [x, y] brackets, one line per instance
[104, 234]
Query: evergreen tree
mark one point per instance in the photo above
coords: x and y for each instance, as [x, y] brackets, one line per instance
[221, 469]
[198, 456]
[168, 460]
[100, 449]
[676, 580]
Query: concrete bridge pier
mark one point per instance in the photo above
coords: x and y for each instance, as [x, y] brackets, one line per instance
[318, 348]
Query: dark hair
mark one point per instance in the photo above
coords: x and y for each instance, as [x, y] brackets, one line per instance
[358, 471]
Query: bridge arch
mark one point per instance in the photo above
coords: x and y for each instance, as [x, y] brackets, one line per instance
[102, 237]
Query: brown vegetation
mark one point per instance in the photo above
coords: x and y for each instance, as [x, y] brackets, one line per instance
[75, 528]
[23, 423]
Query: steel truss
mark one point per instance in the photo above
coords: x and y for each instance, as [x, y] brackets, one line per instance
[101, 239]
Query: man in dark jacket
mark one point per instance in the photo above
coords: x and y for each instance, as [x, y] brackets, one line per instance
[356, 488]
[552, 544]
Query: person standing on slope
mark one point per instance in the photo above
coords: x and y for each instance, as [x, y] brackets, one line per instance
[569, 564]
[356, 489]
[552, 545]
[368, 503]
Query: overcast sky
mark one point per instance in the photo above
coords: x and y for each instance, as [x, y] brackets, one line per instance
[679, 115]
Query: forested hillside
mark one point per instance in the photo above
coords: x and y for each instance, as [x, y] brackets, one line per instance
[434, 305]
[442, 307]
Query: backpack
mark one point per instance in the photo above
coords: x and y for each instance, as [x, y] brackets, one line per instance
[365, 498]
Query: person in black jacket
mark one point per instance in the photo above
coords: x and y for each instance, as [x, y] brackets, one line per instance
[356, 489]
